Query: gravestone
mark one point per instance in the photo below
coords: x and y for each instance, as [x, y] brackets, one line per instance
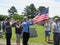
[33, 32]
[0, 30]
[1, 34]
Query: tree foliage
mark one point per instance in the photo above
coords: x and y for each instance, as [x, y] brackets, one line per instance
[30, 11]
[12, 11]
[15, 16]
[2, 17]
[41, 8]
[18, 17]
[56, 17]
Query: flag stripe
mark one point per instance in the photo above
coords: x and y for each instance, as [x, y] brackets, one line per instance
[40, 18]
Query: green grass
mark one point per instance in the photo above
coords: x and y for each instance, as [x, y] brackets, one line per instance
[41, 35]
[39, 39]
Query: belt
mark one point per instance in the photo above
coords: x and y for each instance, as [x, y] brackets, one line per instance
[56, 32]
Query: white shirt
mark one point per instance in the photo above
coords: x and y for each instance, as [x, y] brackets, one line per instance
[56, 27]
[47, 28]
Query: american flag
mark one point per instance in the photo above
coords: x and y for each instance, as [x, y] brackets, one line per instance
[41, 16]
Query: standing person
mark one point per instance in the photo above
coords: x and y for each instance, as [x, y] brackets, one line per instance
[8, 31]
[18, 30]
[47, 30]
[26, 33]
[56, 31]
[0, 25]
[3, 27]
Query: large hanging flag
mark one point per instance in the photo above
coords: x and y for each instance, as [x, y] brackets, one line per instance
[43, 15]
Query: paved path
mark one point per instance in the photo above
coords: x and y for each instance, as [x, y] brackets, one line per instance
[4, 43]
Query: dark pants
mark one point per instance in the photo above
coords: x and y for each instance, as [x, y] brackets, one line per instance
[56, 38]
[8, 38]
[25, 38]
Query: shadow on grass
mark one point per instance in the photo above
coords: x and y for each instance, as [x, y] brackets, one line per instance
[51, 42]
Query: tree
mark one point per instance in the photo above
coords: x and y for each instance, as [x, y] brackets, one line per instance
[56, 17]
[30, 11]
[12, 11]
[2, 17]
[41, 8]
[18, 17]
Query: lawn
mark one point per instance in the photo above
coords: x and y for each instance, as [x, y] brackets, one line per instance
[39, 39]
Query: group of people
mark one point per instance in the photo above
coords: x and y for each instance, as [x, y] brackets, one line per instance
[19, 29]
[55, 26]
[24, 28]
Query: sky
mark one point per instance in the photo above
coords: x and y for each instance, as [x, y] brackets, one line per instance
[54, 5]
